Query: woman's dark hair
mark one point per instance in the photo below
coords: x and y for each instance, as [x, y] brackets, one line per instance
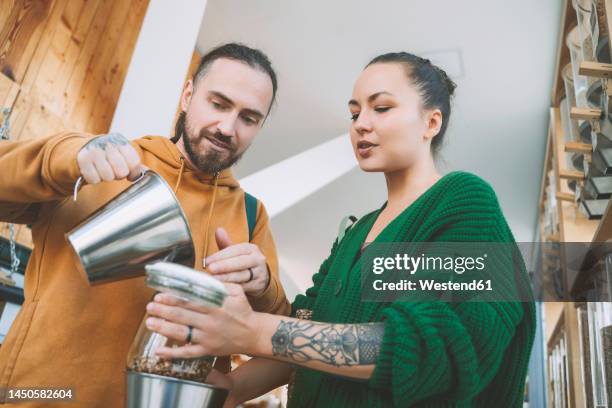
[432, 83]
[237, 52]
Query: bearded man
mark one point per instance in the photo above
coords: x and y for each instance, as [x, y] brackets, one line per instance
[70, 335]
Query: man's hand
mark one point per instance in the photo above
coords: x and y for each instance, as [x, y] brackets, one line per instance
[232, 264]
[108, 157]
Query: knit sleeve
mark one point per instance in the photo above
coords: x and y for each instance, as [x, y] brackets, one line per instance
[307, 301]
[435, 351]
[435, 348]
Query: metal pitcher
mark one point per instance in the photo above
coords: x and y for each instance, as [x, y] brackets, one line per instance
[141, 225]
[156, 391]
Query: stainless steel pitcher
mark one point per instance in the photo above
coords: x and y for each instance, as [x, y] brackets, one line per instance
[141, 225]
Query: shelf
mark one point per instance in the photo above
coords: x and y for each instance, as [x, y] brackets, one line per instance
[561, 318]
[576, 147]
[552, 315]
[573, 225]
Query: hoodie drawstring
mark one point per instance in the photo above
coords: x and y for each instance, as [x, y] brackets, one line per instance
[210, 213]
[180, 176]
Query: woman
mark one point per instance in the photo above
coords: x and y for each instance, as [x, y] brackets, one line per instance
[376, 354]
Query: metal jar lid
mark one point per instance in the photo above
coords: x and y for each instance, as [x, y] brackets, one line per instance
[186, 283]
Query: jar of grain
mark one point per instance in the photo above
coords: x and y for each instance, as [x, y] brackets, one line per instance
[189, 284]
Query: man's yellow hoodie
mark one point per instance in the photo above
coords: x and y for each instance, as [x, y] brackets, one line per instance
[69, 334]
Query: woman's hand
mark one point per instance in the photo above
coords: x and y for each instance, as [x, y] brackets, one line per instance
[350, 350]
[230, 329]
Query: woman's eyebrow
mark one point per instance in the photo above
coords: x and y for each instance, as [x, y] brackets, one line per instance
[371, 98]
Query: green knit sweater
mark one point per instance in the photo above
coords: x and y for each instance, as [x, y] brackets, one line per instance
[434, 354]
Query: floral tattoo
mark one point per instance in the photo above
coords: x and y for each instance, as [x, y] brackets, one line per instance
[334, 344]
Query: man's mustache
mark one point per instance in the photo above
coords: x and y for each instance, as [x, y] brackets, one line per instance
[220, 137]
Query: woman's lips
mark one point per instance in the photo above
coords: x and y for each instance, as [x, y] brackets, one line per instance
[365, 149]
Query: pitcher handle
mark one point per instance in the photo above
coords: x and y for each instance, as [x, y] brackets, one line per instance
[80, 181]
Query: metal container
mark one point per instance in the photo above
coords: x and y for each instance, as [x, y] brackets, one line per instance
[593, 209]
[155, 391]
[141, 225]
[598, 187]
[602, 161]
[603, 50]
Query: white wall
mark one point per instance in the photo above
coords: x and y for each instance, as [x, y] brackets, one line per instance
[154, 80]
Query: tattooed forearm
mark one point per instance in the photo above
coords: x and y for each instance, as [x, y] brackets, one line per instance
[101, 142]
[334, 344]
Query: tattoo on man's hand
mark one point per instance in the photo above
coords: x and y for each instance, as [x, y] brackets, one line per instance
[335, 344]
[101, 142]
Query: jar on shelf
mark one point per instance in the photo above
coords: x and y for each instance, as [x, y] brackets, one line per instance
[599, 34]
[197, 287]
[587, 21]
[599, 316]
[603, 285]
[580, 82]
[573, 125]
[585, 353]
[588, 38]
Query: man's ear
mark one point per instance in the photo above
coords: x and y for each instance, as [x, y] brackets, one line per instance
[434, 123]
[187, 94]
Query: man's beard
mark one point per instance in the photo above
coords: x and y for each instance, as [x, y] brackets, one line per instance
[212, 161]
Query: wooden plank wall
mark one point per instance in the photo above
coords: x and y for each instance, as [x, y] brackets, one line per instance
[63, 63]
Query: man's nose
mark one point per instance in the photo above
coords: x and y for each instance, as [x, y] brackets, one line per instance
[227, 125]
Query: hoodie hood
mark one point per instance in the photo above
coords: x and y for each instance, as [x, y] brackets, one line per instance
[166, 151]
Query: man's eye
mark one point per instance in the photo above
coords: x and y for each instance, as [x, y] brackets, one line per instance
[250, 121]
[354, 116]
[382, 109]
[216, 105]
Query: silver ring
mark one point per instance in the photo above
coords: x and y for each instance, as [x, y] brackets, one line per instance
[189, 334]
[251, 275]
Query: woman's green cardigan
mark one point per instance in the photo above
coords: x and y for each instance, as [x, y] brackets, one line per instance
[434, 354]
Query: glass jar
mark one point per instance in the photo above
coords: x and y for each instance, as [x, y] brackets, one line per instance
[571, 125]
[599, 34]
[581, 84]
[188, 284]
[600, 341]
[585, 354]
[587, 24]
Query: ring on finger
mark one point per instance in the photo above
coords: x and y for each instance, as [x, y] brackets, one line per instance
[189, 334]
